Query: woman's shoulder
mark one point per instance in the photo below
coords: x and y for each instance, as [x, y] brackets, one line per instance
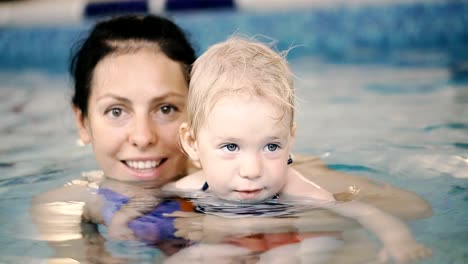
[77, 190]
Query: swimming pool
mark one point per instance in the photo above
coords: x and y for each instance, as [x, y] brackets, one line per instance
[383, 91]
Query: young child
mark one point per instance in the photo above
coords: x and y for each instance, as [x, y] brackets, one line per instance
[241, 129]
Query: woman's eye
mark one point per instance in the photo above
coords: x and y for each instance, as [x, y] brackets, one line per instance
[272, 147]
[167, 113]
[167, 109]
[115, 112]
[231, 147]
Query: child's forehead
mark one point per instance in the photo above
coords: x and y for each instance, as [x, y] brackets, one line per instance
[246, 108]
[240, 100]
[243, 106]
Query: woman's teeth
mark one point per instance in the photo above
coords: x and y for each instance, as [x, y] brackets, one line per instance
[141, 165]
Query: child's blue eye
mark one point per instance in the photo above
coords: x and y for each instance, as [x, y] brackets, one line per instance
[272, 147]
[231, 147]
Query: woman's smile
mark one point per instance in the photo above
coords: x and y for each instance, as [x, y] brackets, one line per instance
[145, 169]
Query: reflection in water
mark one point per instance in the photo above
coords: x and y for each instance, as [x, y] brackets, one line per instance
[171, 232]
[61, 219]
[152, 227]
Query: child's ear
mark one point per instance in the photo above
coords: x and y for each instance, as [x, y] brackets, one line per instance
[82, 125]
[293, 130]
[188, 141]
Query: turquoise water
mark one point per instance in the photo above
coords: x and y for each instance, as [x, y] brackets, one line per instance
[397, 114]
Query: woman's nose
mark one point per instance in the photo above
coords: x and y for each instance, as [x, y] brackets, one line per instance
[250, 167]
[143, 133]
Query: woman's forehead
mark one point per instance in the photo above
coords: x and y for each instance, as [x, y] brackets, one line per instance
[138, 71]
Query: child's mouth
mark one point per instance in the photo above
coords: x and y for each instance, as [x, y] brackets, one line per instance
[248, 194]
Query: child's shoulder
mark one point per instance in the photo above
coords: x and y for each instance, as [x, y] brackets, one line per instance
[299, 186]
[190, 182]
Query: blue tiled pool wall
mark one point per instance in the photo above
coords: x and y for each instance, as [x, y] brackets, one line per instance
[429, 33]
[105, 7]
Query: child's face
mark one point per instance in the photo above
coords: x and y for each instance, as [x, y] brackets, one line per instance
[243, 147]
[135, 109]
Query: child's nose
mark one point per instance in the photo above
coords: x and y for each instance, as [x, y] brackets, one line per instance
[251, 166]
[143, 133]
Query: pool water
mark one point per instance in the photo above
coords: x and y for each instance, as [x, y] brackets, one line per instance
[397, 114]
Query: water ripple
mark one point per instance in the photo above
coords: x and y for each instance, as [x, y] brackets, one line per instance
[454, 125]
[461, 145]
[28, 179]
[389, 88]
[347, 167]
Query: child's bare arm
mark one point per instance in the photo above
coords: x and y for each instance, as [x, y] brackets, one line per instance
[397, 239]
[191, 182]
[402, 203]
[398, 242]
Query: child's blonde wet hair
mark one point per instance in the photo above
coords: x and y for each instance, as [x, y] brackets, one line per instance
[238, 66]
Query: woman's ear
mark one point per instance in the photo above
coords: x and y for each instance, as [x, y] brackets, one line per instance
[188, 142]
[82, 125]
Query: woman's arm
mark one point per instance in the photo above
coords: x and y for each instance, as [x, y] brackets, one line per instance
[57, 215]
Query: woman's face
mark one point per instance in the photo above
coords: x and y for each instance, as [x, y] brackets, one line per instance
[136, 105]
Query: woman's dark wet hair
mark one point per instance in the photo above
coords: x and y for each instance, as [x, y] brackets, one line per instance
[150, 28]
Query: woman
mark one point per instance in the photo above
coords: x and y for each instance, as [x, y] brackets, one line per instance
[131, 80]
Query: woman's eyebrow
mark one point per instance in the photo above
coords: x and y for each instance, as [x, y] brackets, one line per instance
[168, 95]
[155, 99]
[113, 96]
[170, 98]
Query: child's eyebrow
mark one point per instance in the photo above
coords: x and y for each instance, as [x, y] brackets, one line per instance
[230, 139]
[273, 138]
[234, 139]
